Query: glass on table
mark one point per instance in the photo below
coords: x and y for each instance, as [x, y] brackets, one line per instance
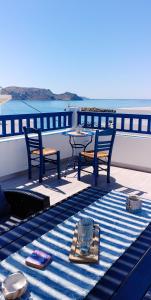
[133, 203]
[79, 128]
[85, 235]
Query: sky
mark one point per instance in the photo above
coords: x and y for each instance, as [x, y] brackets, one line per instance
[95, 48]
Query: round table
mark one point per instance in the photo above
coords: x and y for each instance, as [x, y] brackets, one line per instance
[79, 140]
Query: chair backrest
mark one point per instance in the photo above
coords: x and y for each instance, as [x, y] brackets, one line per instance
[104, 140]
[33, 142]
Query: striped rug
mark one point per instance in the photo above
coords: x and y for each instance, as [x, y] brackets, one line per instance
[65, 280]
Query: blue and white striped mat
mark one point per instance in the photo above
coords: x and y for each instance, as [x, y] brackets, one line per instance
[65, 280]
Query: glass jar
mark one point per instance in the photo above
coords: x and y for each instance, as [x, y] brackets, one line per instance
[85, 234]
[133, 203]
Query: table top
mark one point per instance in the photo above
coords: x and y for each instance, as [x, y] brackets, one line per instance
[81, 133]
[65, 280]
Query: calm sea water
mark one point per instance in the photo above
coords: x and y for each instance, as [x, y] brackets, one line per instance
[27, 106]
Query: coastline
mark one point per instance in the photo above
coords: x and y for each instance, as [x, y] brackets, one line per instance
[33, 106]
[135, 110]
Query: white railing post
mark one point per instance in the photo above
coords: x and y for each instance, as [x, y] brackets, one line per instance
[75, 110]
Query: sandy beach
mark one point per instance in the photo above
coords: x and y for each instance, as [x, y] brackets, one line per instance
[5, 98]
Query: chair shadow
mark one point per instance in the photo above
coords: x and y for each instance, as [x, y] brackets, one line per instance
[108, 187]
[50, 182]
[56, 184]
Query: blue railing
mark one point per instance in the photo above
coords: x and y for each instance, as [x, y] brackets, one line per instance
[11, 125]
[133, 123]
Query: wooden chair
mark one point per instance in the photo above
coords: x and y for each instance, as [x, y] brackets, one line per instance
[101, 155]
[38, 155]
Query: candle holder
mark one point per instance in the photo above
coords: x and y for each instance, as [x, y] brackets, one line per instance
[133, 203]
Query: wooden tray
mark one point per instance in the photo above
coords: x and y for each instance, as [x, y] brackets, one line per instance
[93, 256]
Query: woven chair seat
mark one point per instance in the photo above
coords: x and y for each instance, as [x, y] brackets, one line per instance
[46, 151]
[90, 154]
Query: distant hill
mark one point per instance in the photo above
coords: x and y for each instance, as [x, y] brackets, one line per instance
[25, 93]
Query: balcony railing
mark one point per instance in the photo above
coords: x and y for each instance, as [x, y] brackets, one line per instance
[133, 123]
[11, 125]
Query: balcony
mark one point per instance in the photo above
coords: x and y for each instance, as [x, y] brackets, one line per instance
[130, 174]
[131, 159]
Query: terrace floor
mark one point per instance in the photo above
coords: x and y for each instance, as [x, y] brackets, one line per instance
[124, 180]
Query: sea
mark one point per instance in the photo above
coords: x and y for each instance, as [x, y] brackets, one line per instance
[32, 106]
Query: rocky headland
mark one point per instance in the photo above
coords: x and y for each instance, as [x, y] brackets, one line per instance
[25, 93]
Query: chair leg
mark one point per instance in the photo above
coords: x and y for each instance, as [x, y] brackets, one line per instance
[95, 180]
[95, 173]
[29, 171]
[44, 168]
[108, 174]
[79, 167]
[41, 168]
[29, 167]
[58, 164]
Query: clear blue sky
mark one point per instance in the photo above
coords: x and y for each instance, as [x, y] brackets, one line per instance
[96, 48]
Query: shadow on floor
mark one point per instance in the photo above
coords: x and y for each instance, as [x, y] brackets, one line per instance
[55, 185]
[108, 187]
[49, 182]
[67, 184]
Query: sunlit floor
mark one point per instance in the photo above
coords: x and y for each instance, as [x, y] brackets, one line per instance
[124, 180]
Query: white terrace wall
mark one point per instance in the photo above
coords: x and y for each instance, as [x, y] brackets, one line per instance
[13, 155]
[132, 152]
[129, 151]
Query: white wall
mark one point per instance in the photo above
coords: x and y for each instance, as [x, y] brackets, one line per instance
[13, 156]
[129, 151]
[133, 152]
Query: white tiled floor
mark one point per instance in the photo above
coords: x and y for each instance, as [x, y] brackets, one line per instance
[127, 181]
